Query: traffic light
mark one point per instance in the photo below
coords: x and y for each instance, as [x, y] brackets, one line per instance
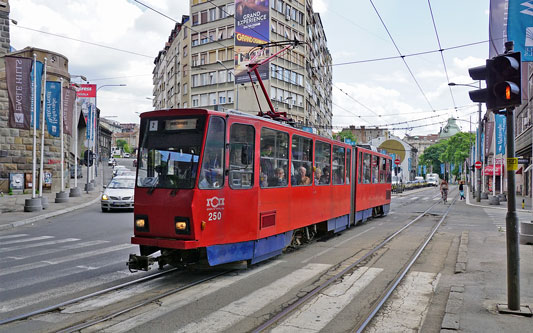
[479, 73]
[504, 79]
[503, 76]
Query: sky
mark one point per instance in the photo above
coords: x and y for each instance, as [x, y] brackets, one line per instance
[410, 97]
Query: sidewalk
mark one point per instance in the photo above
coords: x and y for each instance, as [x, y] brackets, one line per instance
[12, 206]
[470, 200]
[478, 281]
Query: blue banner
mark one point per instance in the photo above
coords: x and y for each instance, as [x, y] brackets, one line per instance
[460, 168]
[419, 170]
[482, 141]
[409, 165]
[90, 121]
[453, 167]
[501, 129]
[520, 27]
[425, 170]
[39, 67]
[53, 102]
[442, 168]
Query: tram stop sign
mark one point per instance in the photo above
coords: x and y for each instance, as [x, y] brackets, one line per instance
[397, 161]
[478, 165]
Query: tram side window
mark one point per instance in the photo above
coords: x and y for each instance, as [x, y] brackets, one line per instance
[389, 171]
[366, 168]
[382, 170]
[375, 169]
[348, 165]
[338, 165]
[302, 157]
[241, 156]
[360, 173]
[212, 173]
[274, 158]
[323, 163]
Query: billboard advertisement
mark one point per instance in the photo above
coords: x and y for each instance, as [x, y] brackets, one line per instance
[252, 28]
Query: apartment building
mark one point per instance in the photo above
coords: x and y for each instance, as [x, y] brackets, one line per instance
[204, 62]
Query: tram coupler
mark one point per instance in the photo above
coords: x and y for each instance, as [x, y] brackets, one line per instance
[140, 263]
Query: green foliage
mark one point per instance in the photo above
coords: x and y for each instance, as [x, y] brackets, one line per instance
[454, 150]
[344, 134]
[123, 144]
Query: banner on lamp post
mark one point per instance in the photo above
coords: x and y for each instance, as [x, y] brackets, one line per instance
[36, 71]
[52, 104]
[18, 71]
[69, 98]
[500, 133]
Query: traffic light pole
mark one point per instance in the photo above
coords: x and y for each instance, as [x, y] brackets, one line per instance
[478, 180]
[511, 224]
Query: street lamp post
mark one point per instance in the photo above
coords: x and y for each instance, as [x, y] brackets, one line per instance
[478, 139]
[236, 85]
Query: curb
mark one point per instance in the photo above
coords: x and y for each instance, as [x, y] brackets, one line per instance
[13, 225]
[494, 207]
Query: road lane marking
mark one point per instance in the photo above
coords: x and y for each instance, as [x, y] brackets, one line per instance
[62, 291]
[238, 310]
[413, 198]
[60, 260]
[336, 246]
[20, 247]
[188, 296]
[407, 308]
[13, 236]
[31, 239]
[59, 249]
[317, 313]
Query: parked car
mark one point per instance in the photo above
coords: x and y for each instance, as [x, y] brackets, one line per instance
[126, 155]
[118, 194]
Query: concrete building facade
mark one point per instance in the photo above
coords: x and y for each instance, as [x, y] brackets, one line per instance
[197, 66]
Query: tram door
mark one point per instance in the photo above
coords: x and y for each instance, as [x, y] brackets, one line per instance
[353, 182]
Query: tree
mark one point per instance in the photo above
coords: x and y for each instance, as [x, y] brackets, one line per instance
[123, 145]
[345, 134]
[454, 150]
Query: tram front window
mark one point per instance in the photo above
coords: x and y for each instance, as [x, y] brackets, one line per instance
[169, 155]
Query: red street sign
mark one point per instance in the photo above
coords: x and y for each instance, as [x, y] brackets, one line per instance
[397, 161]
[478, 165]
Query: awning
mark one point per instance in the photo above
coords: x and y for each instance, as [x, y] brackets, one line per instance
[488, 170]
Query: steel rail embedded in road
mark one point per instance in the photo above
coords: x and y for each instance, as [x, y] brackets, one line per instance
[285, 312]
[400, 277]
[81, 298]
[117, 313]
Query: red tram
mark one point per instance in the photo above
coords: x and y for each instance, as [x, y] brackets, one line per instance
[223, 187]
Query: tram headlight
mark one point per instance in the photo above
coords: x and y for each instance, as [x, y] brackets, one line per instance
[104, 197]
[141, 223]
[181, 225]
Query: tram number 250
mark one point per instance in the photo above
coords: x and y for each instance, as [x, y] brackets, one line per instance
[215, 216]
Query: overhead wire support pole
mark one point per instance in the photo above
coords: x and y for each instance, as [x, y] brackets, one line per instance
[478, 182]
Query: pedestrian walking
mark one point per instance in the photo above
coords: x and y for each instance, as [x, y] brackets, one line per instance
[461, 190]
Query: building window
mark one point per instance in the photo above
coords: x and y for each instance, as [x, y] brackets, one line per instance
[195, 100]
[203, 17]
[195, 19]
[212, 14]
[222, 97]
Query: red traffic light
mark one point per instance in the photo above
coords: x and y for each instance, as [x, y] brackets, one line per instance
[504, 81]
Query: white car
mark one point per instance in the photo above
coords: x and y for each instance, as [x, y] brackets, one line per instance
[126, 155]
[116, 168]
[118, 194]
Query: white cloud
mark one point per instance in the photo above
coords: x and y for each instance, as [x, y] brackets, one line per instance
[320, 6]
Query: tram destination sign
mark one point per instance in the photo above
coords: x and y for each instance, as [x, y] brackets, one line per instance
[180, 124]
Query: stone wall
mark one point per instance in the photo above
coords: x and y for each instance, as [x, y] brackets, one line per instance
[16, 145]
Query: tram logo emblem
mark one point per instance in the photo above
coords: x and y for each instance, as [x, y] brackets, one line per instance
[215, 202]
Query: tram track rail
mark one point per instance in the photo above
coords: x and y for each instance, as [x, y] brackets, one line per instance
[84, 297]
[287, 311]
[88, 322]
[109, 316]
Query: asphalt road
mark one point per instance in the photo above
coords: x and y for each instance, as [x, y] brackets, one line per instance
[47, 261]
